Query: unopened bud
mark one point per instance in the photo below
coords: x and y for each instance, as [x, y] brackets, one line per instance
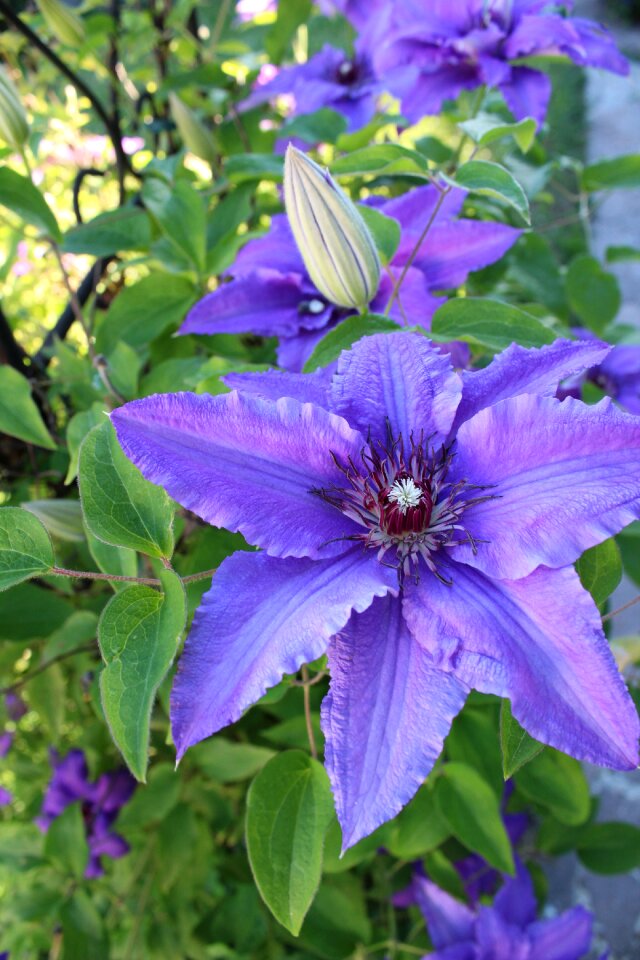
[62, 21]
[195, 135]
[14, 128]
[333, 239]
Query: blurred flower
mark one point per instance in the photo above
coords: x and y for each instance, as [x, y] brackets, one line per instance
[273, 295]
[100, 802]
[15, 706]
[418, 526]
[331, 78]
[248, 9]
[6, 739]
[428, 51]
[618, 375]
[507, 929]
[22, 265]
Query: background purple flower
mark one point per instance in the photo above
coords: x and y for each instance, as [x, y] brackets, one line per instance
[618, 375]
[15, 706]
[432, 50]
[506, 930]
[420, 527]
[100, 801]
[331, 78]
[272, 294]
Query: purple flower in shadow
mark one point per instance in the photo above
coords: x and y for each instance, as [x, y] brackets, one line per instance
[331, 78]
[618, 375]
[419, 526]
[429, 51]
[506, 930]
[100, 801]
[272, 295]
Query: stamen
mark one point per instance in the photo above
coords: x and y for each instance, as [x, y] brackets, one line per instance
[406, 494]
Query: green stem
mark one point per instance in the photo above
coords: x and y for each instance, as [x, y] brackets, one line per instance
[145, 581]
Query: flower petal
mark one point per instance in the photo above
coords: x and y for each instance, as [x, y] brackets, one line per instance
[516, 900]
[245, 463]
[563, 938]
[539, 642]
[452, 250]
[273, 384]
[520, 370]
[448, 920]
[396, 380]
[385, 718]
[276, 248]
[527, 93]
[264, 303]
[564, 476]
[263, 618]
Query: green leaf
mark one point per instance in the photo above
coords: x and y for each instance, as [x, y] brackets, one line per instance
[593, 293]
[19, 416]
[345, 335]
[119, 505]
[65, 842]
[25, 547]
[138, 632]
[153, 801]
[518, 747]
[473, 740]
[181, 215]
[611, 847]
[291, 14]
[19, 194]
[77, 429]
[600, 570]
[381, 158]
[469, 806]
[46, 693]
[321, 126]
[491, 180]
[418, 828]
[622, 254]
[558, 784]
[486, 128]
[612, 174]
[488, 324]
[337, 923]
[28, 611]
[119, 561]
[83, 933]
[125, 229]
[385, 231]
[62, 518]
[289, 807]
[246, 167]
[228, 762]
[143, 311]
[334, 861]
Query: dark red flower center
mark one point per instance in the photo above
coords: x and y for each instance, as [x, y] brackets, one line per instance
[347, 72]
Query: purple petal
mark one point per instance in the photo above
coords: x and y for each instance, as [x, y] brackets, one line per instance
[5, 797]
[518, 370]
[498, 939]
[263, 618]
[414, 306]
[598, 48]
[414, 209]
[272, 384]
[264, 303]
[567, 937]
[94, 868]
[448, 920]
[244, 463]
[277, 249]
[385, 718]
[396, 378]
[109, 845]
[539, 642]
[452, 250]
[6, 739]
[564, 477]
[516, 901]
[527, 93]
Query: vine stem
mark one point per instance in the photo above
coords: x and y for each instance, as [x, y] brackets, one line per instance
[85, 648]
[626, 606]
[145, 581]
[307, 712]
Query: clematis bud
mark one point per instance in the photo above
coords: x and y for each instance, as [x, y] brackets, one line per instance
[332, 237]
[62, 21]
[14, 128]
[195, 135]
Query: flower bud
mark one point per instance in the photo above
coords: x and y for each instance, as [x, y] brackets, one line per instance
[195, 135]
[62, 21]
[333, 239]
[14, 128]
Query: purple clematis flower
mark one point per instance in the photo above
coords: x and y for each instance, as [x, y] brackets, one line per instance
[618, 376]
[15, 706]
[272, 294]
[101, 803]
[331, 78]
[420, 526]
[507, 930]
[248, 9]
[431, 50]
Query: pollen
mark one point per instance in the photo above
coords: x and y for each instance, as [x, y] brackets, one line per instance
[405, 493]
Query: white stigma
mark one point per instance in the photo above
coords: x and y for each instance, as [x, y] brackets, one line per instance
[406, 493]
